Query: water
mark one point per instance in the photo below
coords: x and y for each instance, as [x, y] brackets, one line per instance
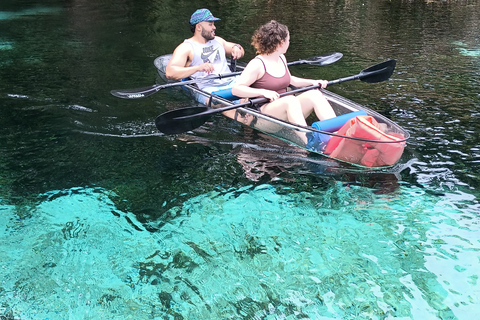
[104, 218]
[256, 252]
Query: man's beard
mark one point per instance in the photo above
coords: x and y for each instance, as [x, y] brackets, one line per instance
[207, 35]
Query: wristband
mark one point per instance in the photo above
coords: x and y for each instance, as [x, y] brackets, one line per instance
[237, 45]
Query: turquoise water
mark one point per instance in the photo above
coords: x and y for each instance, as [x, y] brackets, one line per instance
[103, 217]
[255, 253]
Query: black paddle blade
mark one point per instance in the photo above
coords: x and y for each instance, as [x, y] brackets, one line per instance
[324, 60]
[379, 72]
[169, 124]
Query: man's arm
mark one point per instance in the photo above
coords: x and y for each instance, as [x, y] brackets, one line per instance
[178, 67]
[231, 48]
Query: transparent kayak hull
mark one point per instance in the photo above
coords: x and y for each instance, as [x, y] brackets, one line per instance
[371, 140]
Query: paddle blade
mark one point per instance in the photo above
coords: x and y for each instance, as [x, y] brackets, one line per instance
[136, 93]
[379, 72]
[324, 60]
[169, 124]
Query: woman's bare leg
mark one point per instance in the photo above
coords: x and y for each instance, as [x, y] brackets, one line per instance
[314, 100]
[287, 108]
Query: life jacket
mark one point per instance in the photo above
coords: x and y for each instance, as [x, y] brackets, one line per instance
[369, 154]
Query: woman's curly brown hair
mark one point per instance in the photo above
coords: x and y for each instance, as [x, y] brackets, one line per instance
[268, 37]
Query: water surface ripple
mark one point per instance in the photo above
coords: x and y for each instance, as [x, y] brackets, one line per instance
[105, 218]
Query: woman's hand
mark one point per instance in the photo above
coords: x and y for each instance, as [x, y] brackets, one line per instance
[270, 95]
[322, 83]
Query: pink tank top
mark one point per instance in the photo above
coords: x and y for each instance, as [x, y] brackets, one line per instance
[269, 82]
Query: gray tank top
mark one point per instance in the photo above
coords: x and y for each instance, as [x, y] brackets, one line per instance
[214, 53]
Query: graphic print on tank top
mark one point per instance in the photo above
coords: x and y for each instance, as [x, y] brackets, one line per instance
[210, 54]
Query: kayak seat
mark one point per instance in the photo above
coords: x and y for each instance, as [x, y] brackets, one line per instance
[226, 94]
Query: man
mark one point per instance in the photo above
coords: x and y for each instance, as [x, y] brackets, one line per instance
[203, 53]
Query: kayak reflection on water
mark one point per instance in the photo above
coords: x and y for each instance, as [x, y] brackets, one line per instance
[263, 125]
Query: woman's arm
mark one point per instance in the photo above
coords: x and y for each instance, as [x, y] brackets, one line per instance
[252, 72]
[302, 82]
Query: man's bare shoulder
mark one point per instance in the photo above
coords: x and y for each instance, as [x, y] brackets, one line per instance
[183, 48]
[182, 54]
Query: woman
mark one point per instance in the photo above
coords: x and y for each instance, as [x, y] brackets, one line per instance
[267, 75]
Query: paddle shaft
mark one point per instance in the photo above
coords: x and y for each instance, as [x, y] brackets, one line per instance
[148, 91]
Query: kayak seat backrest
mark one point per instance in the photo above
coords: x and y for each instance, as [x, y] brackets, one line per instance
[226, 94]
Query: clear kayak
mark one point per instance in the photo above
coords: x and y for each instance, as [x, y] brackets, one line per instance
[358, 135]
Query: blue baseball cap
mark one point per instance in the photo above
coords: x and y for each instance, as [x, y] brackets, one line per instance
[202, 15]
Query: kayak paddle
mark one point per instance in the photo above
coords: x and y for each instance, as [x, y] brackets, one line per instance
[186, 119]
[148, 91]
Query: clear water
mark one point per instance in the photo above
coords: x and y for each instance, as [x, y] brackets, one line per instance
[102, 217]
[257, 252]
